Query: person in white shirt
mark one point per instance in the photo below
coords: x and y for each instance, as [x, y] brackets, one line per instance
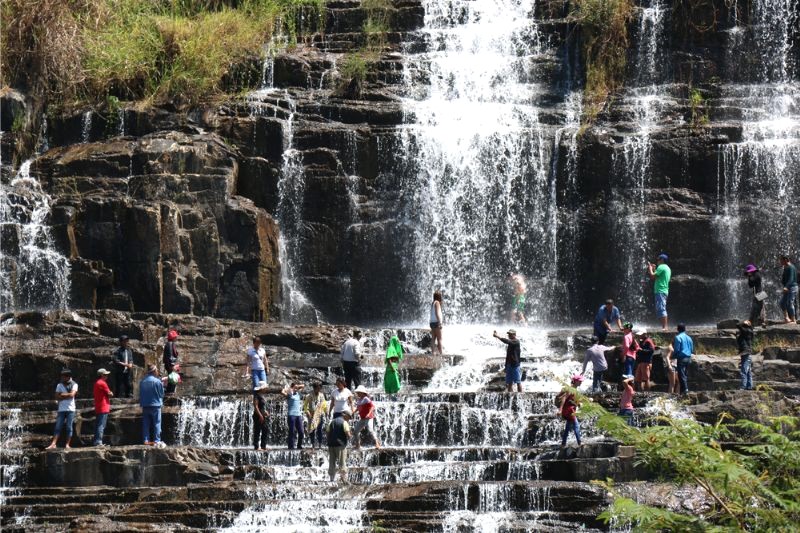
[257, 365]
[65, 395]
[351, 360]
[341, 399]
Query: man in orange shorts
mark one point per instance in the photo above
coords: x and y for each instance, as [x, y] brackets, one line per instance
[644, 360]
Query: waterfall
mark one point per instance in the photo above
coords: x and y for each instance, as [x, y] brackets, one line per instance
[34, 274]
[86, 126]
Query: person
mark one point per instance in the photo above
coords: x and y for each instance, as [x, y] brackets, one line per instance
[569, 404]
[257, 365]
[151, 398]
[65, 395]
[260, 414]
[681, 350]
[294, 405]
[123, 369]
[606, 315]
[744, 340]
[626, 399]
[660, 273]
[596, 353]
[314, 407]
[518, 303]
[391, 374]
[644, 360]
[341, 399]
[338, 436]
[366, 418]
[789, 282]
[170, 360]
[758, 311]
[629, 346]
[436, 323]
[513, 360]
[351, 360]
[102, 405]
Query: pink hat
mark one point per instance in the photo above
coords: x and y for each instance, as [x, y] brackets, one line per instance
[577, 377]
[172, 335]
[751, 268]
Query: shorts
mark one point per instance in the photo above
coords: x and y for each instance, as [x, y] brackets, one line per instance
[642, 374]
[661, 304]
[436, 325]
[513, 375]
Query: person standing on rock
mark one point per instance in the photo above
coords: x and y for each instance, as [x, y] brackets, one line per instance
[661, 274]
[257, 365]
[626, 399]
[513, 360]
[436, 323]
[294, 407]
[391, 374]
[744, 340]
[315, 407]
[789, 282]
[260, 414]
[628, 351]
[102, 405]
[644, 360]
[606, 315]
[65, 395]
[123, 369]
[170, 360]
[568, 406]
[681, 350]
[351, 360]
[758, 310]
[151, 399]
[596, 353]
[366, 418]
[341, 399]
[339, 435]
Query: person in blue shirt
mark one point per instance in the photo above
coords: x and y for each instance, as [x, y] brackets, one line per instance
[151, 398]
[294, 404]
[606, 315]
[681, 349]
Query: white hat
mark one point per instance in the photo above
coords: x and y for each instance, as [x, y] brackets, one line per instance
[626, 377]
[361, 388]
[102, 372]
[640, 332]
[261, 386]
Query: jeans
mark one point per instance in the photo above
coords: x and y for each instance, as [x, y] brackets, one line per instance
[601, 334]
[787, 302]
[683, 373]
[258, 375]
[260, 432]
[352, 373]
[151, 424]
[123, 384]
[661, 304]
[597, 380]
[362, 423]
[317, 434]
[627, 413]
[629, 364]
[64, 418]
[746, 372]
[99, 428]
[575, 426]
[295, 431]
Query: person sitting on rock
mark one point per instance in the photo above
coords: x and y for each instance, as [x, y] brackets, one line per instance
[339, 435]
[341, 399]
[744, 340]
[170, 360]
[629, 347]
[644, 360]
[260, 426]
[315, 408]
[257, 365]
[366, 418]
[568, 406]
[294, 407]
[626, 399]
[65, 395]
[596, 353]
[151, 399]
[513, 360]
[102, 405]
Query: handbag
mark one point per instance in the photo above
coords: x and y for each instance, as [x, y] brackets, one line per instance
[760, 296]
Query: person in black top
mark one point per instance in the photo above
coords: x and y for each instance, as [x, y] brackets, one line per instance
[644, 360]
[260, 422]
[170, 360]
[758, 311]
[123, 369]
[339, 435]
[789, 282]
[513, 360]
[744, 339]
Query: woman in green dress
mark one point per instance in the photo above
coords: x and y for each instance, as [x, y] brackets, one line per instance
[391, 377]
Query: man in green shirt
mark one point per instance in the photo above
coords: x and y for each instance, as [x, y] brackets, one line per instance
[660, 273]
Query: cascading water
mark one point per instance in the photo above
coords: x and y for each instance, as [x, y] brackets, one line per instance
[34, 274]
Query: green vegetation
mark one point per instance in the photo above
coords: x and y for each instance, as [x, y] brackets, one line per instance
[356, 65]
[749, 471]
[152, 50]
[604, 36]
[698, 108]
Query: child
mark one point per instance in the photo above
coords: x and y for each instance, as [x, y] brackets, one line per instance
[626, 400]
[568, 406]
[366, 414]
[294, 403]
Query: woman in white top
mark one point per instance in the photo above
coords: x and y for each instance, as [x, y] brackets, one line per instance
[341, 398]
[437, 318]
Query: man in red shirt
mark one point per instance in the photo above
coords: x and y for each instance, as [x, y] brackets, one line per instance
[102, 405]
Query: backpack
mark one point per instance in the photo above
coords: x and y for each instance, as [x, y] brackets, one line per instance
[559, 398]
